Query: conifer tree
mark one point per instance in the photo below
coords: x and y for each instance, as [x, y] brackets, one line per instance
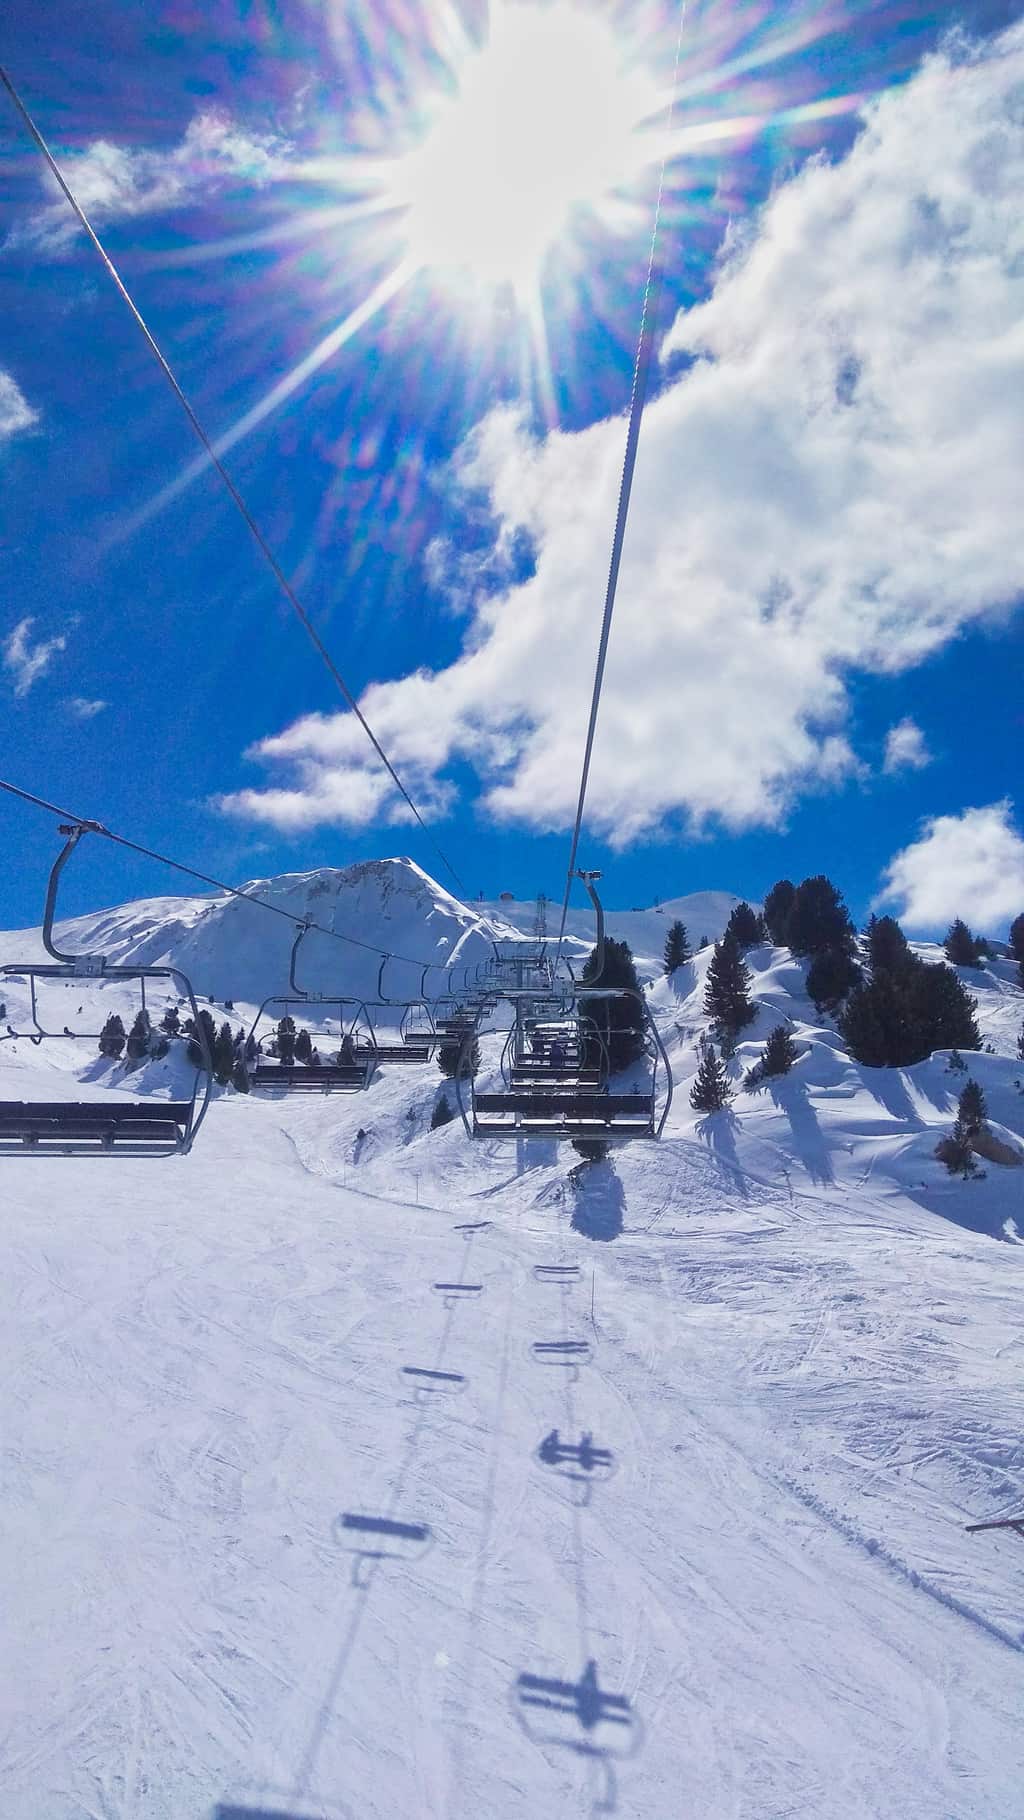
[240, 1073]
[777, 906]
[887, 946]
[831, 977]
[112, 1037]
[620, 1021]
[170, 1023]
[194, 1050]
[443, 1112]
[304, 1048]
[1017, 938]
[941, 1010]
[894, 1020]
[961, 946]
[139, 1036]
[726, 995]
[743, 926]
[711, 1090]
[819, 919]
[778, 1054]
[677, 947]
[955, 1151]
[972, 1111]
[448, 1054]
[286, 1041]
[223, 1054]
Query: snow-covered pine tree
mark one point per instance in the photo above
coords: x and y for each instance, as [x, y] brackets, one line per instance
[726, 995]
[223, 1054]
[711, 1090]
[112, 1038]
[677, 947]
[777, 906]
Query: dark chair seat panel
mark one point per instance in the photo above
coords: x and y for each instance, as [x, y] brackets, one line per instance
[310, 1080]
[598, 1107]
[98, 1112]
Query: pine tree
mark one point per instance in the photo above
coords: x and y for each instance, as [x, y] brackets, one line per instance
[677, 948]
[448, 1054]
[972, 1111]
[139, 1036]
[705, 941]
[711, 1090]
[443, 1112]
[1017, 938]
[778, 1054]
[112, 1037]
[819, 919]
[726, 998]
[620, 1022]
[777, 906]
[955, 1151]
[941, 1010]
[223, 1055]
[1020, 1045]
[956, 1063]
[895, 1020]
[831, 977]
[304, 1048]
[286, 1042]
[743, 926]
[194, 1049]
[170, 1023]
[888, 950]
[961, 946]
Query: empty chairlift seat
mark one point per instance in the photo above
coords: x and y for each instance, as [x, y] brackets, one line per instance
[560, 1113]
[56, 1128]
[316, 1077]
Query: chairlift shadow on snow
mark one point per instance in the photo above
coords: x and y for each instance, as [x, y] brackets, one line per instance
[426, 1385]
[566, 1354]
[599, 1201]
[305, 1810]
[372, 1539]
[581, 1717]
[452, 1293]
[468, 1227]
[792, 1098]
[577, 1465]
[556, 1273]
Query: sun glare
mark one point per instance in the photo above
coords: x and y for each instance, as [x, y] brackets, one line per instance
[544, 119]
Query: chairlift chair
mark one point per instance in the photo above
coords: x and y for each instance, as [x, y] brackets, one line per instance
[104, 1127]
[351, 1075]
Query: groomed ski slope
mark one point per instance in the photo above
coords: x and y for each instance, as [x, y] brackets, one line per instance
[800, 1343]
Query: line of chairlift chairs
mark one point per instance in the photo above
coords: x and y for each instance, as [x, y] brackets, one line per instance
[555, 1063]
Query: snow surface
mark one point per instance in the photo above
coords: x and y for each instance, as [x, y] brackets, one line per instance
[799, 1340]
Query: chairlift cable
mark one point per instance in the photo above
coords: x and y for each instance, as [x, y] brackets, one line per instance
[638, 398]
[177, 865]
[276, 570]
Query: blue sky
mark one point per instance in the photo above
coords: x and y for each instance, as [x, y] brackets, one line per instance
[437, 488]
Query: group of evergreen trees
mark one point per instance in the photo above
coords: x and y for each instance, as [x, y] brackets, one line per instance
[229, 1051]
[907, 1007]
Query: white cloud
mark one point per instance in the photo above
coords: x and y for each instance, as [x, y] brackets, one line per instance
[81, 709]
[15, 411]
[906, 748]
[969, 865]
[26, 662]
[830, 487]
[114, 181]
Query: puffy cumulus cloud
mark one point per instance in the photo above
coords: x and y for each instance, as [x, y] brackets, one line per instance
[15, 411]
[25, 661]
[830, 485]
[114, 181]
[905, 748]
[969, 865]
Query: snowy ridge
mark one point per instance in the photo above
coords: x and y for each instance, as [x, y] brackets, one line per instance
[282, 1533]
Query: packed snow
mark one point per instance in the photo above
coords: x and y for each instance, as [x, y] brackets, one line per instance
[351, 1468]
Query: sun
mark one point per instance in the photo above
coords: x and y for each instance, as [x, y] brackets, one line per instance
[543, 121]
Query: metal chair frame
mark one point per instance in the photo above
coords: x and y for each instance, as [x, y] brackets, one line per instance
[103, 1116]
